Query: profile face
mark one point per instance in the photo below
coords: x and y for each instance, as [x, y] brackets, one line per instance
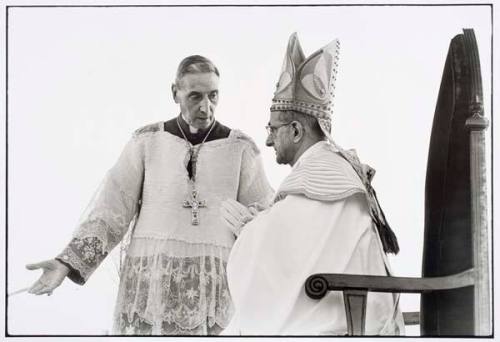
[197, 95]
[280, 139]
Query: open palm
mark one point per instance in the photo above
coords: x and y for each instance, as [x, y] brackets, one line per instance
[53, 275]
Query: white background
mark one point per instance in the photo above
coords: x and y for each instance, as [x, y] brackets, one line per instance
[81, 80]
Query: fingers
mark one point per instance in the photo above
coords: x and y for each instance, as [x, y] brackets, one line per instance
[246, 219]
[234, 221]
[47, 291]
[254, 211]
[40, 288]
[236, 206]
[37, 287]
[228, 211]
[256, 207]
[229, 217]
[236, 215]
[231, 222]
[51, 278]
[38, 265]
[238, 211]
[259, 206]
[234, 226]
[33, 266]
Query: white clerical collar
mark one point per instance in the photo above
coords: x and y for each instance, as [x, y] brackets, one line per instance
[310, 150]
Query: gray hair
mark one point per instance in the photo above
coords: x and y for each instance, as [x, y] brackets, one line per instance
[195, 64]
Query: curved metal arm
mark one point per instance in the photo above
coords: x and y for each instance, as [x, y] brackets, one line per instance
[317, 285]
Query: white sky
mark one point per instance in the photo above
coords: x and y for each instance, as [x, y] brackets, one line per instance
[81, 80]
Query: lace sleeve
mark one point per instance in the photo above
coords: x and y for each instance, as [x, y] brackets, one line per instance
[254, 187]
[108, 215]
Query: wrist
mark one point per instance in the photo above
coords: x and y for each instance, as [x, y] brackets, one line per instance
[62, 267]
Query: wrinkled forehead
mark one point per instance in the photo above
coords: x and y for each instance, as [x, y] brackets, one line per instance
[200, 81]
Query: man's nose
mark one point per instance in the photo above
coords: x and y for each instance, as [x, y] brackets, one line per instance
[269, 140]
[205, 106]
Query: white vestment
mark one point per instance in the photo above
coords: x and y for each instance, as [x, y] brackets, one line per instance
[173, 279]
[320, 225]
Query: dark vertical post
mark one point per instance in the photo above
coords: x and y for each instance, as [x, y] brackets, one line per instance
[355, 307]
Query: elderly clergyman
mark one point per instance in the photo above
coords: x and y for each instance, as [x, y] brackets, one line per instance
[325, 218]
[170, 180]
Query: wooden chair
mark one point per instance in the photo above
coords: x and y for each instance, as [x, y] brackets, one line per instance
[454, 288]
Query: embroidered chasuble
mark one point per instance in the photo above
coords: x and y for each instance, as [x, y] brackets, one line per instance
[319, 223]
[173, 280]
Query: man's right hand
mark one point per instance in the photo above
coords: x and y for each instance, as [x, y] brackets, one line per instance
[53, 275]
[235, 215]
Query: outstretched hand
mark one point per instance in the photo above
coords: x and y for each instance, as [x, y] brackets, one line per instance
[53, 275]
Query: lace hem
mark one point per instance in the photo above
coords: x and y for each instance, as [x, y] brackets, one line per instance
[182, 293]
[139, 327]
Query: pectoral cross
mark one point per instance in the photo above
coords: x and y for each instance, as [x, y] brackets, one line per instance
[194, 204]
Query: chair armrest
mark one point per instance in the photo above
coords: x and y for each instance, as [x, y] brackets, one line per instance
[317, 285]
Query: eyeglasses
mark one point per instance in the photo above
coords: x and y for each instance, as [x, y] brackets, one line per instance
[271, 130]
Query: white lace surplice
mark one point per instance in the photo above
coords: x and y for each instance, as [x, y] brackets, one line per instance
[173, 280]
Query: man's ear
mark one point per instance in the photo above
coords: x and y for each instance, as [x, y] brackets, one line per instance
[174, 92]
[298, 131]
